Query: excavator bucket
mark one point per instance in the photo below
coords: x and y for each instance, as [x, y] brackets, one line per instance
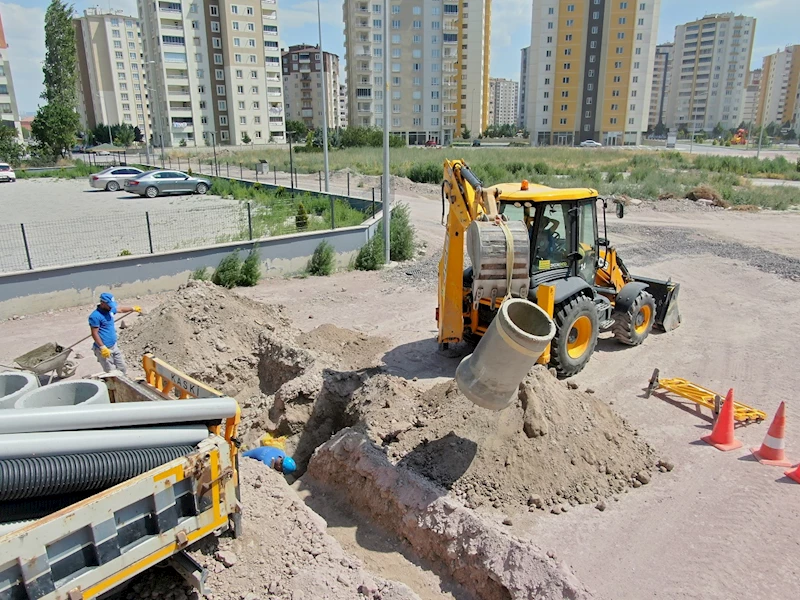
[665, 293]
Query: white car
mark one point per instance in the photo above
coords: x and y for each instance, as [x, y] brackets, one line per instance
[591, 144]
[7, 173]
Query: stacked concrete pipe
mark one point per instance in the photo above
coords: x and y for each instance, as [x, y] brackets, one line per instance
[13, 385]
[65, 393]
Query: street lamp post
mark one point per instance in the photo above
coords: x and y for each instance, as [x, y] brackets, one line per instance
[325, 102]
[158, 105]
[385, 200]
[290, 135]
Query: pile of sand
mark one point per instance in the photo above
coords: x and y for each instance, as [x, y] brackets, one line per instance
[553, 446]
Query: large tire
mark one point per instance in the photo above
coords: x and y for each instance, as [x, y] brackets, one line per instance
[112, 186]
[576, 335]
[151, 192]
[634, 325]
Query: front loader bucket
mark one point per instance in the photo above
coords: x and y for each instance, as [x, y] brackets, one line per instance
[665, 293]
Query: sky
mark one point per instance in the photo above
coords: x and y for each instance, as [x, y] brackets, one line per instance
[511, 26]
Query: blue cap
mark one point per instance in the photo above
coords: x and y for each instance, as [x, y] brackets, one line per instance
[289, 466]
[107, 297]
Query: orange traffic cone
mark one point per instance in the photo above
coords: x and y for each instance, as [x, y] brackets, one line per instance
[794, 474]
[772, 450]
[722, 437]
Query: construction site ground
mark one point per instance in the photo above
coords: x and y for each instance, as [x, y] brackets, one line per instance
[717, 526]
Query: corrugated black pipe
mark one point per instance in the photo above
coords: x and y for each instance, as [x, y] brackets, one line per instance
[51, 475]
[36, 508]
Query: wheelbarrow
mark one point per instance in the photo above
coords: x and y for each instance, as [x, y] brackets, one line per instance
[50, 358]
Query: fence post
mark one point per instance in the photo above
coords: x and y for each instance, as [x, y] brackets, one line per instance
[249, 221]
[319, 176]
[149, 232]
[275, 175]
[297, 185]
[256, 168]
[228, 169]
[348, 183]
[241, 171]
[333, 213]
[27, 250]
[381, 188]
[179, 163]
[373, 203]
[169, 161]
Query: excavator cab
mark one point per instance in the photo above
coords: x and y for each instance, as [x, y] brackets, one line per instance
[560, 262]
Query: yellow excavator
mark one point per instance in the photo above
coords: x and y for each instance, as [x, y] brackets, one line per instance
[541, 243]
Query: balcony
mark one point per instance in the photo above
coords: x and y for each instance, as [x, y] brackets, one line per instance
[170, 7]
[267, 3]
[171, 27]
[272, 16]
[183, 110]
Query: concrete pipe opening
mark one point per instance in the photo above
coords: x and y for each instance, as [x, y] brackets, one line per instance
[513, 343]
[15, 385]
[66, 393]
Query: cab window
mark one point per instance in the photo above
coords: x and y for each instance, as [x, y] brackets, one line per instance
[551, 247]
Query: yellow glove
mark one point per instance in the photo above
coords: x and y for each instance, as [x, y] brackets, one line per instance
[105, 352]
[137, 309]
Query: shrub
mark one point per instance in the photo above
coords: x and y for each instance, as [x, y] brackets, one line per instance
[200, 274]
[542, 168]
[250, 272]
[126, 253]
[425, 173]
[613, 175]
[301, 218]
[402, 234]
[228, 271]
[371, 255]
[323, 261]
[704, 192]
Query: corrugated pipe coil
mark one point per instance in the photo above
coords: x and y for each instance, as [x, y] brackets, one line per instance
[50, 475]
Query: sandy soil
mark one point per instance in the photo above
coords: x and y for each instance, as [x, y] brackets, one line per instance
[689, 532]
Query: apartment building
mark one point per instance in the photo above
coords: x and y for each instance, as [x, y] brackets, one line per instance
[111, 88]
[344, 119]
[590, 70]
[9, 114]
[438, 71]
[522, 121]
[503, 102]
[304, 83]
[662, 79]
[709, 72]
[752, 94]
[780, 85]
[214, 71]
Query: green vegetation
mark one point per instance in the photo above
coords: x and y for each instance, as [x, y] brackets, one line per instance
[323, 261]
[301, 218]
[200, 274]
[370, 256]
[251, 269]
[402, 236]
[11, 151]
[232, 272]
[79, 171]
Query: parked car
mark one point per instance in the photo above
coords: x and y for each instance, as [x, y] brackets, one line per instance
[591, 144]
[430, 144]
[7, 173]
[476, 143]
[113, 178]
[155, 183]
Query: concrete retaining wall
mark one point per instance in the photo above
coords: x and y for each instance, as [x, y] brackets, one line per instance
[30, 292]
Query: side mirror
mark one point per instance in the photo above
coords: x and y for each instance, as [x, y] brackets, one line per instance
[187, 177]
[620, 210]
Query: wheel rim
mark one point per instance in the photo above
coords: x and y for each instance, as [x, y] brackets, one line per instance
[113, 186]
[579, 337]
[201, 189]
[643, 317]
[151, 192]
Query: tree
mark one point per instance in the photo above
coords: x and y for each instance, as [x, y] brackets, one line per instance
[53, 130]
[124, 136]
[718, 130]
[465, 132]
[137, 135]
[11, 150]
[246, 138]
[60, 63]
[298, 127]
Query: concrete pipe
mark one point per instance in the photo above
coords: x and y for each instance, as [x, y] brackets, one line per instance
[55, 443]
[108, 416]
[515, 340]
[14, 385]
[65, 393]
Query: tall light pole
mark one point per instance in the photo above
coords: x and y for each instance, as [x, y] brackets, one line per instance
[106, 116]
[160, 123]
[385, 191]
[324, 103]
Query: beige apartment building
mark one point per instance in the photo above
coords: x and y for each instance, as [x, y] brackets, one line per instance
[304, 83]
[503, 102]
[9, 114]
[111, 83]
[214, 71]
[780, 86]
[752, 94]
[662, 79]
[709, 72]
[437, 70]
[522, 103]
[590, 70]
[344, 119]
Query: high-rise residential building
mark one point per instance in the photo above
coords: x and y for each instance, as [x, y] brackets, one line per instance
[522, 121]
[780, 85]
[9, 115]
[438, 68]
[503, 99]
[214, 71]
[111, 83]
[752, 94]
[344, 120]
[304, 83]
[709, 72]
[662, 78]
[591, 69]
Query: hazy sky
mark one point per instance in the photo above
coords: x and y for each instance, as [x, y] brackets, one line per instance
[511, 23]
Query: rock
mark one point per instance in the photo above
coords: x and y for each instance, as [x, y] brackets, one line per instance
[551, 554]
[535, 500]
[508, 521]
[572, 385]
[250, 596]
[556, 510]
[667, 465]
[220, 346]
[636, 484]
[589, 391]
[643, 477]
[565, 507]
[226, 557]
[601, 506]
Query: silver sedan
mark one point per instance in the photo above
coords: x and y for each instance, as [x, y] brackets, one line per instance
[155, 183]
[113, 178]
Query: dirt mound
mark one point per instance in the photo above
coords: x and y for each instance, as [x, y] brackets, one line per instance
[208, 332]
[554, 445]
[284, 552]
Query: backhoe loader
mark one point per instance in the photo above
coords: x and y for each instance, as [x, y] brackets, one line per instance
[541, 243]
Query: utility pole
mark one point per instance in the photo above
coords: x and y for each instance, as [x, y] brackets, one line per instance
[290, 135]
[386, 108]
[324, 103]
[154, 86]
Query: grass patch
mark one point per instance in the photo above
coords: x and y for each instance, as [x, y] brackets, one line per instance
[79, 171]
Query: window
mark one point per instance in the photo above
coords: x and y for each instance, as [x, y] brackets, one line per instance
[395, 39]
[215, 26]
[242, 120]
[220, 90]
[620, 50]
[216, 42]
[395, 9]
[567, 66]
[622, 20]
[434, 95]
[618, 65]
[395, 52]
[595, 29]
[638, 51]
[565, 94]
[377, 23]
[218, 59]
[117, 44]
[617, 79]
[254, 90]
[615, 93]
[434, 121]
[564, 107]
[213, 11]
[395, 67]
[589, 101]
[642, 6]
[544, 121]
[417, 39]
[222, 105]
[417, 81]
[235, 9]
[565, 80]
[613, 120]
[223, 119]
[641, 22]
[436, 25]
[115, 33]
[563, 121]
[615, 107]
[224, 134]
[570, 22]
[570, 8]
[417, 24]
[235, 25]
[395, 108]
[623, 5]
[639, 37]
[249, 10]
[396, 81]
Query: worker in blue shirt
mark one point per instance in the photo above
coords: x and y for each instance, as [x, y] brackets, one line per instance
[273, 457]
[104, 333]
